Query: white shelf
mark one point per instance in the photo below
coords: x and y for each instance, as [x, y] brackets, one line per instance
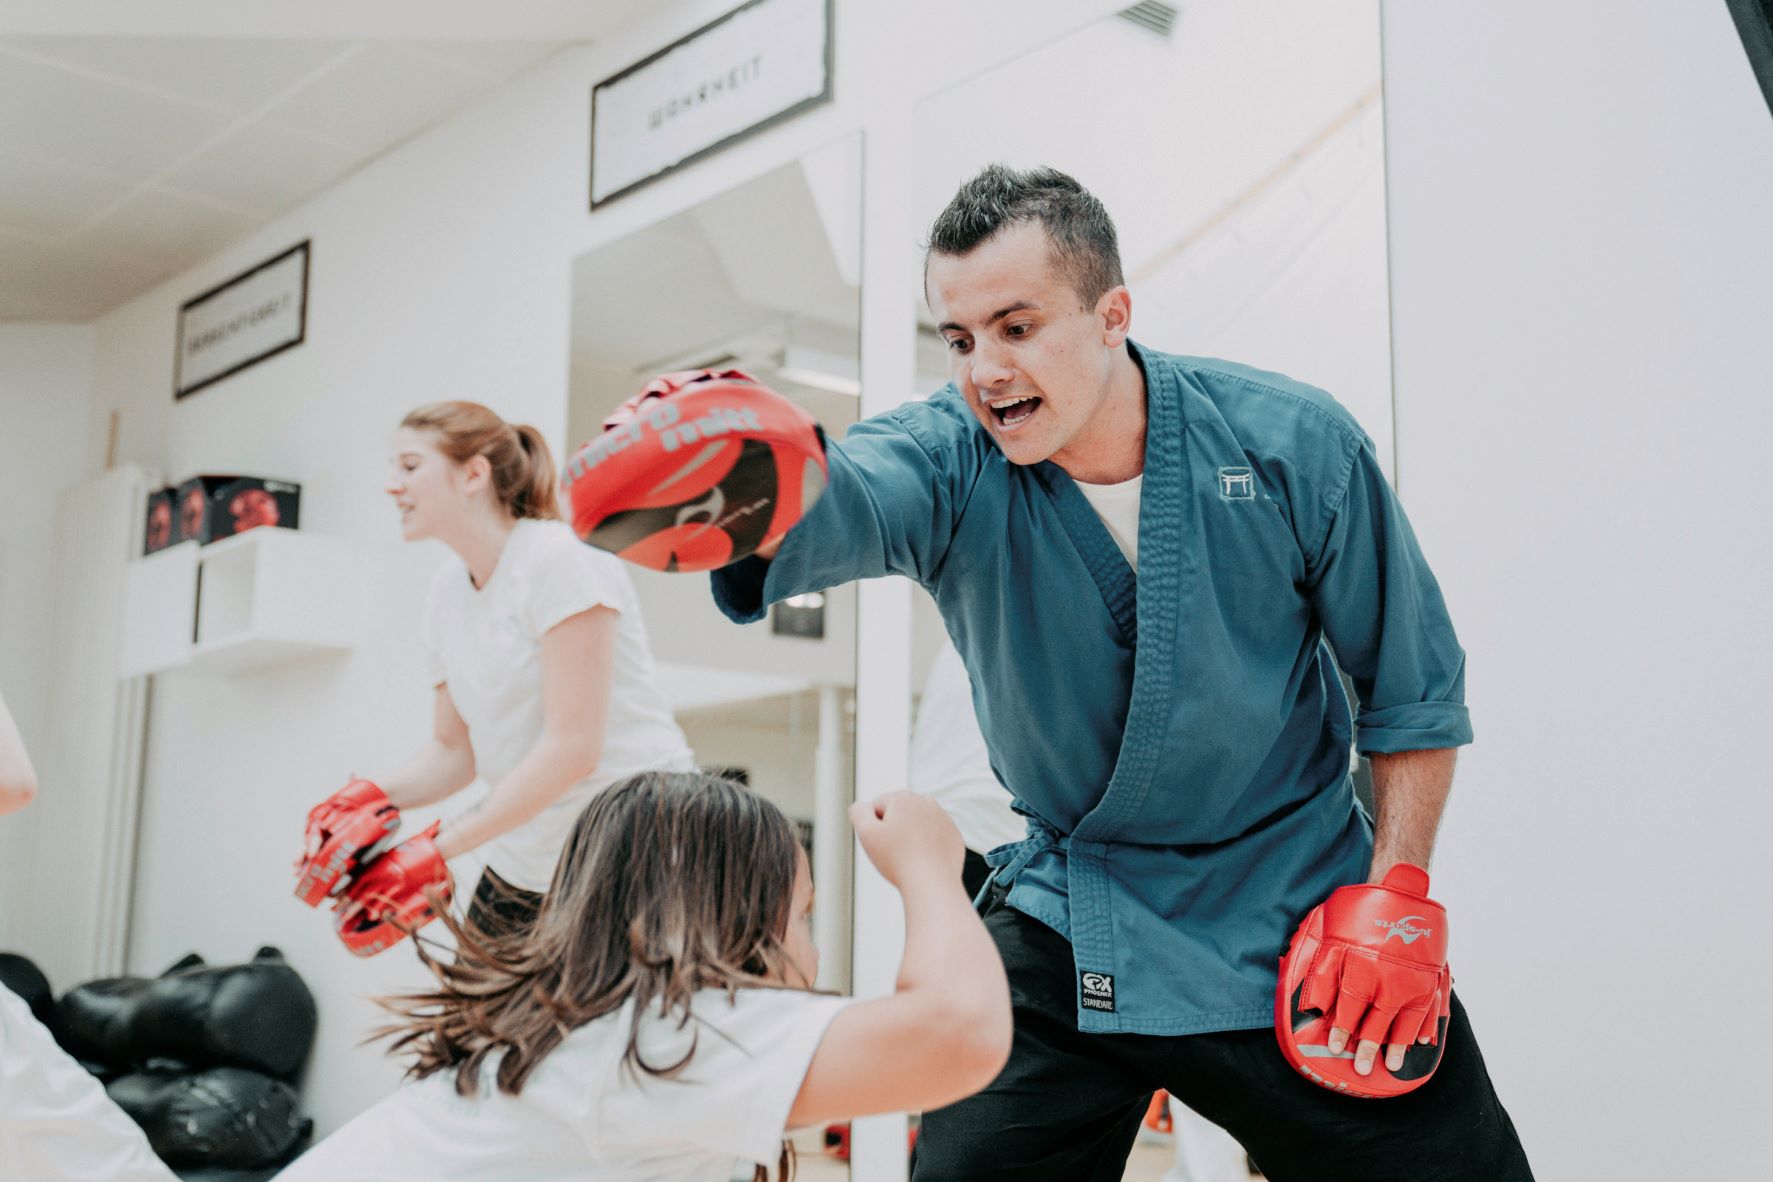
[260, 598]
[159, 611]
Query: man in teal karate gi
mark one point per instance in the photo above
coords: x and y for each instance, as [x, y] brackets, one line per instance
[1146, 562]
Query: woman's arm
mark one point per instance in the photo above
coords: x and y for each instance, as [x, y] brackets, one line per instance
[578, 664]
[18, 780]
[443, 767]
[944, 1033]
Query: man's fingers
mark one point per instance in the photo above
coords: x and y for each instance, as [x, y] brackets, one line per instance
[1357, 988]
[1351, 1004]
[1321, 986]
[1366, 1051]
[1378, 1023]
[1409, 1024]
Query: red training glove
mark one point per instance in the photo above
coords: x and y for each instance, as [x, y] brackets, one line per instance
[393, 895]
[345, 831]
[1372, 960]
[698, 470]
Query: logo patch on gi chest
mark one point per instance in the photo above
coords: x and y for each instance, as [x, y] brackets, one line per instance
[1098, 991]
[1237, 484]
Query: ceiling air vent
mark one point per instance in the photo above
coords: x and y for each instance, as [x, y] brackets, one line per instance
[1152, 15]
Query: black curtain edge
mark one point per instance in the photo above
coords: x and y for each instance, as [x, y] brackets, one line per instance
[1754, 24]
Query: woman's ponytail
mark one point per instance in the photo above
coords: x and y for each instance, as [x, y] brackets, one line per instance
[533, 490]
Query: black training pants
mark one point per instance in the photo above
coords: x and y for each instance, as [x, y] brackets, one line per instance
[1068, 1104]
[499, 909]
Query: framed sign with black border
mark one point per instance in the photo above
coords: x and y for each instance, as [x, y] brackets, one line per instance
[762, 63]
[255, 315]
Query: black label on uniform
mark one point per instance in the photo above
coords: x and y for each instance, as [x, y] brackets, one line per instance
[1098, 990]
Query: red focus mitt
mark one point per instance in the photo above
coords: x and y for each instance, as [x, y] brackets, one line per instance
[344, 832]
[698, 470]
[1371, 959]
[395, 894]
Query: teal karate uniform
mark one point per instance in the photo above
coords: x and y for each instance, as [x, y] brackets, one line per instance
[1178, 741]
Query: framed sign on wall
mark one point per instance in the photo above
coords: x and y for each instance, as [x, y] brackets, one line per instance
[255, 315]
[764, 62]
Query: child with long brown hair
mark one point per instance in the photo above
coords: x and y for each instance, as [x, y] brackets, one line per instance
[658, 1022]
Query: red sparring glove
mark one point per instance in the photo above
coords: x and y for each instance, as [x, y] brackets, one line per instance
[393, 895]
[698, 470]
[1373, 961]
[345, 831]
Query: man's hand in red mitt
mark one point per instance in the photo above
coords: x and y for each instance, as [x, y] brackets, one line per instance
[699, 470]
[1368, 964]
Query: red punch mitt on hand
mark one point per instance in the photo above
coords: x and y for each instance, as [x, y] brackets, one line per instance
[1373, 961]
[697, 471]
[345, 831]
[392, 896]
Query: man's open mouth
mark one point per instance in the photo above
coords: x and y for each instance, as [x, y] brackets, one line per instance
[1013, 412]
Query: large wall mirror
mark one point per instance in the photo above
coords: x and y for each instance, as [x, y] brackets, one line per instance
[763, 278]
[1240, 150]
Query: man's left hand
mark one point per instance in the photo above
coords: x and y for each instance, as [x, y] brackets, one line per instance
[1368, 966]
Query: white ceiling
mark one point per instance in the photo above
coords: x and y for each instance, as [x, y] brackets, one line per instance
[348, 20]
[127, 157]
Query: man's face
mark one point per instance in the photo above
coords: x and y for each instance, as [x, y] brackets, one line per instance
[1032, 360]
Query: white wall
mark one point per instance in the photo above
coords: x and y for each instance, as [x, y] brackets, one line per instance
[442, 270]
[44, 395]
[1581, 254]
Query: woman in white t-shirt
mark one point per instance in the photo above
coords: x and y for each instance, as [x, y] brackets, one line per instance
[656, 1022]
[543, 679]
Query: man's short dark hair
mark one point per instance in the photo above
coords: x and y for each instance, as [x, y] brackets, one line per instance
[1084, 246]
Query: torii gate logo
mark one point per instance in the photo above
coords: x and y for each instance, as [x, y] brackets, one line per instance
[1237, 484]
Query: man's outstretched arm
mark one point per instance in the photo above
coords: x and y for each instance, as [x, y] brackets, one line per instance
[888, 510]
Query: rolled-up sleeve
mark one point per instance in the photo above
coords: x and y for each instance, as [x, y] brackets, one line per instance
[1385, 619]
[886, 509]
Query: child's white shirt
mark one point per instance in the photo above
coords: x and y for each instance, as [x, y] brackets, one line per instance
[56, 1122]
[485, 645]
[584, 1114]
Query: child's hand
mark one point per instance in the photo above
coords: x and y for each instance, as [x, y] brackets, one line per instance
[908, 838]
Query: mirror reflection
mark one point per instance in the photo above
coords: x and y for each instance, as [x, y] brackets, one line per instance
[763, 278]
